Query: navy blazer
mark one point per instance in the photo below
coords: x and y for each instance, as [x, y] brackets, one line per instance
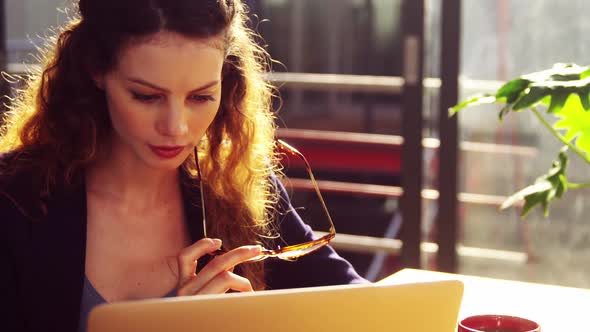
[43, 244]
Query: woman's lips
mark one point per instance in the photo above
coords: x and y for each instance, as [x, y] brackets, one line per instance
[166, 152]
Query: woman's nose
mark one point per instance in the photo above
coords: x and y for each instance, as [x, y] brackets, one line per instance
[173, 121]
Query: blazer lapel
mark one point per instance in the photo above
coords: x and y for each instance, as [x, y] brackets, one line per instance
[59, 249]
[191, 197]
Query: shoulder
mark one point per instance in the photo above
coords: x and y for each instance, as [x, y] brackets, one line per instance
[10, 176]
[5, 160]
[15, 170]
[278, 189]
[19, 186]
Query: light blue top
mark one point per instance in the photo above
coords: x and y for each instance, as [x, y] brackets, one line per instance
[91, 298]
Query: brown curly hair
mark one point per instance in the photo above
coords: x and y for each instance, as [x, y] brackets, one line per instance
[61, 117]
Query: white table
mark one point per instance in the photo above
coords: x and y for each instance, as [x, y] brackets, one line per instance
[555, 308]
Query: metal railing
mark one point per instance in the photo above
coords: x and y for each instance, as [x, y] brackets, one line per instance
[367, 83]
[362, 244]
[430, 143]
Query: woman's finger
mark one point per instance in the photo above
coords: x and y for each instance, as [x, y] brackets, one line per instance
[227, 281]
[219, 265]
[187, 258]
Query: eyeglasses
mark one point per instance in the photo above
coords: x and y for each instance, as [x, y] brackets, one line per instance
[291, 252]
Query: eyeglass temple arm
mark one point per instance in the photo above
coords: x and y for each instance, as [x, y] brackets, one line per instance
[287, 148]
[202, 194]
[291, 150]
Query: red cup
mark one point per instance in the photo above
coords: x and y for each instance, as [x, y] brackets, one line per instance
[497, 323]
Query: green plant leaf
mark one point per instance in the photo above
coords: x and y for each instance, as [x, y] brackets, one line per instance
[557, 101]
[528, 191]
[545, 189]
[584, 95]
[505, 110]
[530, 97]
[476, 100]
[510, 91]
[551, 86]
[575, 122]
[560, 72]
[530, 201]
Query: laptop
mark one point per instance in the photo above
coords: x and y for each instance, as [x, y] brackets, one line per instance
[418, 307]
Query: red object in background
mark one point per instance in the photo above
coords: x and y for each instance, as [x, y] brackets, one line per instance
[497, 323]
[353, 152]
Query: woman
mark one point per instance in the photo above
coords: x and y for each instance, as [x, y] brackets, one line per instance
[100, 194]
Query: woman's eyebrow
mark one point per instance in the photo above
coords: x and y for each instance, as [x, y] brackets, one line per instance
[154, 86]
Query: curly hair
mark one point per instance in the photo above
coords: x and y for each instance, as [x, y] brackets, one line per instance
[62, 116]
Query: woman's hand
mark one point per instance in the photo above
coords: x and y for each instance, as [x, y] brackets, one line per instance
[217, 276]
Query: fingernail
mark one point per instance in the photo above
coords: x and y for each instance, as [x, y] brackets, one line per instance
[257, 248]
[216, 243]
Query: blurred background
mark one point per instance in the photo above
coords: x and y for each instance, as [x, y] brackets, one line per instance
[365, 85]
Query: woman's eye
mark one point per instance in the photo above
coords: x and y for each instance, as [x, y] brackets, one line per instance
[202, 98]
[145, 98]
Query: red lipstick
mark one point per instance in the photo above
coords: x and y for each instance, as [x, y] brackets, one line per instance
[166, 152]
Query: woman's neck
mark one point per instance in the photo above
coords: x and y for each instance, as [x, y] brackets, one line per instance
[138, 187]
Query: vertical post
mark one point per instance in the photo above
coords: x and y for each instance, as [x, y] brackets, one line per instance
[369, 116]
[3, 56]
[334, 26]
[296, 52]
[412, 152]
[447, 219]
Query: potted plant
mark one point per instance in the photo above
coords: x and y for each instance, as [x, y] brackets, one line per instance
[563, 93]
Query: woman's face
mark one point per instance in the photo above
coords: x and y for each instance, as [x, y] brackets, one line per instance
[161, 98]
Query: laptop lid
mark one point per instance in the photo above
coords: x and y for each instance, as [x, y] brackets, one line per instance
[420, 307]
